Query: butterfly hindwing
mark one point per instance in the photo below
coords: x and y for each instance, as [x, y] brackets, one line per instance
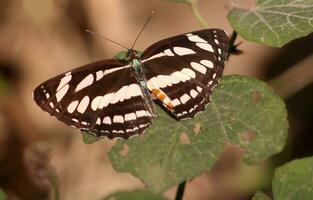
[112, 97]
[103, 98]
[182, 70]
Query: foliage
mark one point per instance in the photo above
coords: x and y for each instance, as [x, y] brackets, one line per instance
[273, 22]
[4, 88]
[2, 195]
[243, 111]
[123, 55]
[89, 138]
[294, 180]
[260, 196]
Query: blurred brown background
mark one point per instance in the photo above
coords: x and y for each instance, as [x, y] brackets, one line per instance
[41, 39]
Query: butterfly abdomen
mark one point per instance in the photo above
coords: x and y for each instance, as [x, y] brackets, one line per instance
[141, 79]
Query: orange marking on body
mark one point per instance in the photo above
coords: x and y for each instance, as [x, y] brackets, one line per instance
[156, 92]
[161, 97]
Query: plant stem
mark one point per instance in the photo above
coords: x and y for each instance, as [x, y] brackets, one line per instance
[196, 13]
[55, 184]
[180, 191]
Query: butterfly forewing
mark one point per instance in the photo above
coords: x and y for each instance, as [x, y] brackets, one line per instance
[112, 98]
[182, 70]
[103, 98]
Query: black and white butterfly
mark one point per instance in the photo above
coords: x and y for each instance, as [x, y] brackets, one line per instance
[113, 97]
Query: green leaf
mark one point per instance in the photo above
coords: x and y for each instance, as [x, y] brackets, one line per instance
[294, 180]
[2, 195]
[260, 196]
[243, 111]
[135, 195]
[55, 183]
[89, 138]
[121, 55]
[4, 88]
[274, 22]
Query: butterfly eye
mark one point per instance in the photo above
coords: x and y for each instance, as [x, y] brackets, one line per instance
[129, 55]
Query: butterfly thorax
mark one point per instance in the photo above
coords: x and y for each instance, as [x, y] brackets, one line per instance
[136, 66]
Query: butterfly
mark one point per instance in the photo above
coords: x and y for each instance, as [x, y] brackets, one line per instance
[114, 97]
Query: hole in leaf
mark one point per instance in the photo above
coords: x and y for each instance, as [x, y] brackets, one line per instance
[125, 150]
[197, 128]
[248, 135]
[184, 139]
[256, 97]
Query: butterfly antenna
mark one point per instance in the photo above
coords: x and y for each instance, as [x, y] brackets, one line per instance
[101, 36]
[144, 26]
